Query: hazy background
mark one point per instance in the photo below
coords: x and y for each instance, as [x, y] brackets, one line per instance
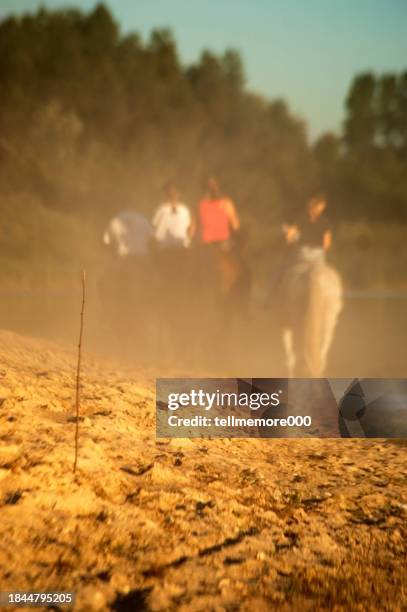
[97, 113]
[95, 117]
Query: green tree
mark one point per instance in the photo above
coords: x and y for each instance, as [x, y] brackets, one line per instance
[360, 124]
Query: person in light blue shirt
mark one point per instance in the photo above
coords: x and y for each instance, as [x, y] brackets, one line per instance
[129, 233]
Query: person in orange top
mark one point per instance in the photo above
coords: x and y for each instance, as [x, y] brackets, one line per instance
[218, 218]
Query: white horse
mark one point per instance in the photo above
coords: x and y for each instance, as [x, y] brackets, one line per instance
[312, 300]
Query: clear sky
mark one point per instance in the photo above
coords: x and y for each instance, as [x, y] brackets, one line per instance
[305, 51]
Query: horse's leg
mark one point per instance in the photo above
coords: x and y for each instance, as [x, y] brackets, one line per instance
[333, 307]
[289, 350]
[313, 328]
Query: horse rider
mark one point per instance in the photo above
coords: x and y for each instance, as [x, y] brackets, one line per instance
[129, 234]
[172, 221]
[312, 236]
[126, 280]
[174, 228]
[218, 218]
[306, 242]
[223, 244]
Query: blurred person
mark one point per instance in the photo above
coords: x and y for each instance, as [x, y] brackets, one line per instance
[312, 235]
[125, 286]
[223, 251]
[173, 266]
[218, 218]
[306, 241]
[172, 222]
[307, 292]
[128, 233]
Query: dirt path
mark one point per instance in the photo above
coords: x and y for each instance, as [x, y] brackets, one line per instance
[181, 524]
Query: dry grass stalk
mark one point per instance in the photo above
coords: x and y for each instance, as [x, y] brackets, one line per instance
[78, 374]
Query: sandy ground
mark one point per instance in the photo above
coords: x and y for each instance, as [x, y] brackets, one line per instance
[185, 524]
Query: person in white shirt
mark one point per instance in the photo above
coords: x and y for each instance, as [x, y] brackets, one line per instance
[172, 221]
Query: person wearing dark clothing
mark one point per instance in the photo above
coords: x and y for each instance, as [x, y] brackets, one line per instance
[306, 241]
[313, 230]
[315, 234]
